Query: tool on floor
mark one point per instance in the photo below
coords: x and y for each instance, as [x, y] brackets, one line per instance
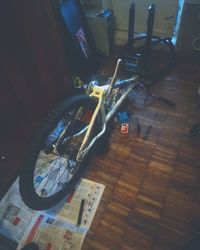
[131, 120]
[138, 127]
[80, 212]
[147, 132]
[135, 121]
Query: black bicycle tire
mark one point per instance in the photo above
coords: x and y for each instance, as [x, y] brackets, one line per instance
[27, 191]
[155, 76]
[172, 57]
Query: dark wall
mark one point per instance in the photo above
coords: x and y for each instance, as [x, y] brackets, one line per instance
[34, 76]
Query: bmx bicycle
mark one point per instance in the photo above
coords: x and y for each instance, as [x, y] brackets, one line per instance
[60, 151]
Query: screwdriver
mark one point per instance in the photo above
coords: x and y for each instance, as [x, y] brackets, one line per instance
[147, 132]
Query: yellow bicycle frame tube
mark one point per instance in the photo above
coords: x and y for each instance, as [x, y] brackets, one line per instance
[99, 93]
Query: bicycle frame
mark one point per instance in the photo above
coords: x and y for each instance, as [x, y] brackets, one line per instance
[101, 93]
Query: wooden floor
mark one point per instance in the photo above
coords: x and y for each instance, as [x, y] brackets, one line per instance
[152, 194]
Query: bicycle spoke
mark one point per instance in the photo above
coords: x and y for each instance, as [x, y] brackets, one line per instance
[54, 173]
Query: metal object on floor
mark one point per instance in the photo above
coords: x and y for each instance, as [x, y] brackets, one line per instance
[147, 132]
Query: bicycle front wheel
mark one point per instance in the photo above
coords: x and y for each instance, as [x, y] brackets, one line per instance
[49, 174]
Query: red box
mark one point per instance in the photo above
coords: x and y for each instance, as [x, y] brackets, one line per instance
[124, 128]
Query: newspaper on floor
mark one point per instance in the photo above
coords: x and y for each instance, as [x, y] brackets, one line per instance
[54, 229]
[15, 216]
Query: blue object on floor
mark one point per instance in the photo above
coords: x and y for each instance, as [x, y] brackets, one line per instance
[123, 117]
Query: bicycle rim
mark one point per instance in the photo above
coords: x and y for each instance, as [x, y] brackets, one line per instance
[51, 174]
[160, 58]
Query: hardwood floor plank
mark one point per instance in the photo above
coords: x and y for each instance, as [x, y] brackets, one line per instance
[152, 194]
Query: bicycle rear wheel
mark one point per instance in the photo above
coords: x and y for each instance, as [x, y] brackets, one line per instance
[153, 64]
[49, 175]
